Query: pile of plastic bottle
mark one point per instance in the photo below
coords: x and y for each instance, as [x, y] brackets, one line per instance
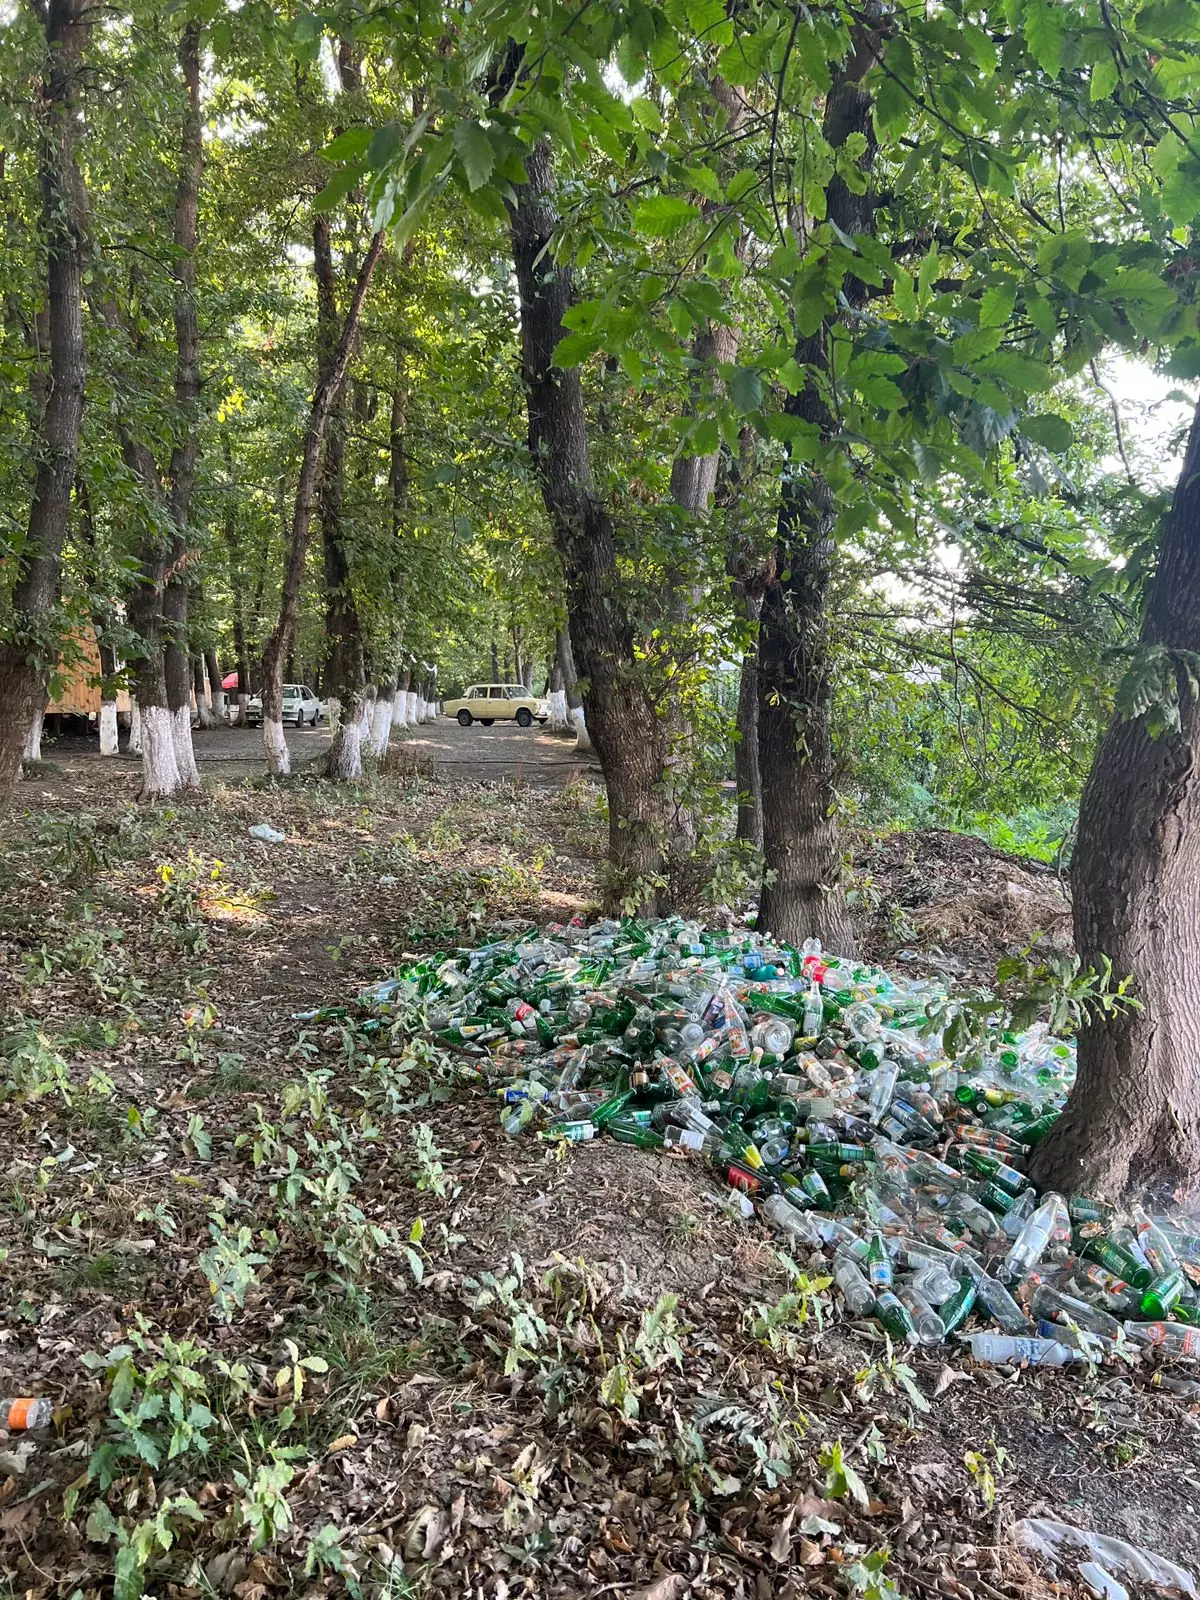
[816, 1089]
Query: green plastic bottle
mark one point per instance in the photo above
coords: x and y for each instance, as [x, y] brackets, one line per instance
[893, 1315]
[625, 1130]
[1112, 1256]
[1162, 1294]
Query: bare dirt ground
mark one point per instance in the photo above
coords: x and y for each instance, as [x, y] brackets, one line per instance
[522, 1413]
[475, 754]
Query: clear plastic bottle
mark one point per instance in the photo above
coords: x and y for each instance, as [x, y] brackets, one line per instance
[1033, 1241]
[22, 1413]
[855, 1289]
[1056, 1306]
[930, 1329]
[781, 1214]
[1022, 1352]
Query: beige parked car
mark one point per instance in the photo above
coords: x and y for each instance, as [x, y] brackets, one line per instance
[497, 702]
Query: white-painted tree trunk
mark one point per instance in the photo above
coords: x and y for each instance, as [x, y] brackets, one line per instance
[279, 762]
[110, 744]
[431, 711]
[381, 725]
[185, 756]
[333, 712]
[559, 720]
[413, 719]
[204, 712]
[583, 739]
[160, 763]
[400, 709]
[33, 739]
[218, 704]
[345, 753]
[364, 716]
[135, 729]
[243, 700]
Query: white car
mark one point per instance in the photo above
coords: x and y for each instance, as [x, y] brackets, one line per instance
[300, 705]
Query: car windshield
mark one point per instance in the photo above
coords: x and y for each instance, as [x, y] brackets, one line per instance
[290, 692]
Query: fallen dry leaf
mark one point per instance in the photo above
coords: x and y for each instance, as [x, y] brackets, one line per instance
[344, 1441]
[781, 1544]
[673, 1587]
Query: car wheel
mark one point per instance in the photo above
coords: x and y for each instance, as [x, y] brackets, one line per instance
[524, 718]
[465, 719]
[487, 721]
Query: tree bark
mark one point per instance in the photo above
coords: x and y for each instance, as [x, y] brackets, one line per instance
[746, 773]
[620, 715]
[158, 606]
[345, 672]
[215, 686]
[802, 894]
[1132, 1121]
[325, 396]
[236, 582]
[29, 633]
[204, 710]
[110, 744]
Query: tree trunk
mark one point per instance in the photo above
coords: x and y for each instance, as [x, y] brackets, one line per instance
[802, 894]
[559, 721]
[746, 774]
[215, 686]
[620, 714]
[325, 396]
[344, 667]
[110, 744]
[495, 663]
[158, 607]
[381, 718]
[33, 739]
[576, 715]
[135, 728]
[25, 639]
[1132, 1121]
[204, 710]
[236, 582]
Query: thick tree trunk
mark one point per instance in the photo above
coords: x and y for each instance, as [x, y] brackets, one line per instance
[344, 667]
[802, 893]
[576, 716]
[33, 739]
[109, 738]
[215, 689]
[158, 607]
[204, 708]
[382, 714]
[1132, 1122]
[326, 394]
[25, 639]
[620, 715]
[400, 714]
[559, 721]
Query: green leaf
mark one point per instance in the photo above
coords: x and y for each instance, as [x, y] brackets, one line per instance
[1104, 78]
[1050, 430]
[662, 215]
[646, 114]
[338, 187]
[1045, 33]
[746, 389]
[892, 109]
[474, 150]
[1018, 372]
[904, 292]
[574, 348]
[996, 304]
[348, 146]
[792, 376]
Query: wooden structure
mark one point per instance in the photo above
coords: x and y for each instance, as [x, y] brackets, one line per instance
[78, 691]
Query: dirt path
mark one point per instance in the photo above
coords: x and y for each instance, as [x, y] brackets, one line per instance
[471, 755]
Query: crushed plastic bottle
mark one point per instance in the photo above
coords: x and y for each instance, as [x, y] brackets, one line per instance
[817, 1093]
